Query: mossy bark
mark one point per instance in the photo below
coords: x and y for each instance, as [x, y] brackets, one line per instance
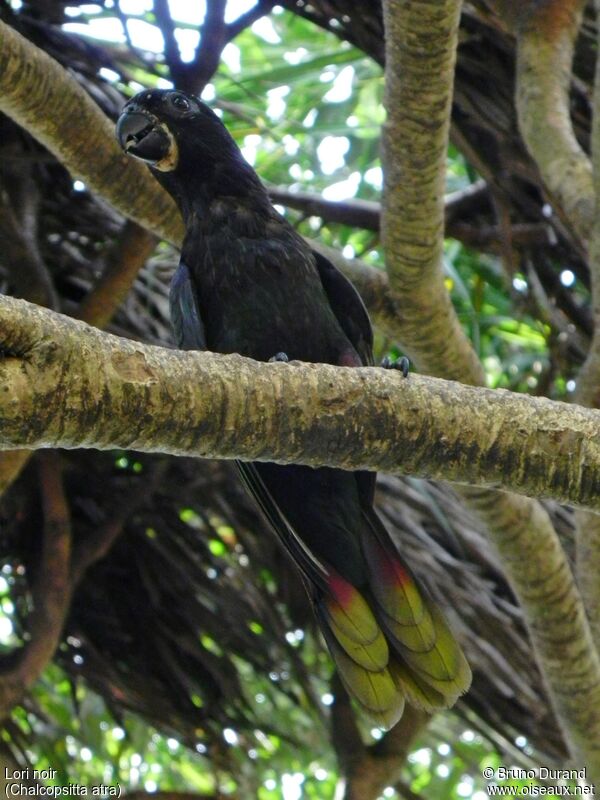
[420, 49]
[420, 55]
[65, 384]
[588, 393]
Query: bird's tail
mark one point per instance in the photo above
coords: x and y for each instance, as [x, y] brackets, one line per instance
[390, 642]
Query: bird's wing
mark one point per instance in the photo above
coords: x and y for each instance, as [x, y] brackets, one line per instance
[185, 314]
[190, 335]
[348, 307]
[310, 566]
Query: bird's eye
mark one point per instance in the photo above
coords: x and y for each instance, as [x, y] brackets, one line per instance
[180, 102]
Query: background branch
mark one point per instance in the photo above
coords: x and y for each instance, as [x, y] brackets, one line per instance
[365, 214]
[418, 92]
[51, 590]
[545, 44]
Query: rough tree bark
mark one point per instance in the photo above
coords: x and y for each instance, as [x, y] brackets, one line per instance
[421, 41]
[588, 379]
[546, 41]
[65, 384]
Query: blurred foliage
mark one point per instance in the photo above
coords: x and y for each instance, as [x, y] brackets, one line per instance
[69, 729]
[307, 112]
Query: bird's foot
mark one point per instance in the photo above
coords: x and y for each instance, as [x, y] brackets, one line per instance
[403, 364]
[279, 357]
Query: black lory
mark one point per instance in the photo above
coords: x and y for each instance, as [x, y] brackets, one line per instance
[248, 283]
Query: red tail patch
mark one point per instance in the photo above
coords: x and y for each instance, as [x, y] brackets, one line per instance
[343, 591]
[390, 568]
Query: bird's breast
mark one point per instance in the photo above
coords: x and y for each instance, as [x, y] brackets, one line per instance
[258, 297]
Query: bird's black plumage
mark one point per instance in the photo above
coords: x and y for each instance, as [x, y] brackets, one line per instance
[248, 283]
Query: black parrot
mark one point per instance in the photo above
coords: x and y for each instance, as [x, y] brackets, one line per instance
[248, 283]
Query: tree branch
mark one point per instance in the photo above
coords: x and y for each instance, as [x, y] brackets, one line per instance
[213, 38]
[68, 385]
[177, 68]
[420, 54]
[133, 248]
[43, 98]
[28, 273]
[420, 45]
[373, 768]
[365, 214]
[97, 544]
[545, 44]
[51, 590]
[261, 9]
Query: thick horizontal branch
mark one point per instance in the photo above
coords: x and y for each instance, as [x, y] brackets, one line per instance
[65, 384]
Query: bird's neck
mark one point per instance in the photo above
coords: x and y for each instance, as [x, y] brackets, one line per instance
[199, 188]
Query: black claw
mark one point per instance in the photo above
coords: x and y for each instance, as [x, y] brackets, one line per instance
[403, 364]
[279, 357]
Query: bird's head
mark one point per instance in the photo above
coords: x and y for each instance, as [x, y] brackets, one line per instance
[171, 130]
[188, 149]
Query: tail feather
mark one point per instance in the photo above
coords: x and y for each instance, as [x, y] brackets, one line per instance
[417, 638]
[354, 627]
[418, 693]
[390, 642]
[376, 692]
[388, 639]
[390, 580]
[444, 667]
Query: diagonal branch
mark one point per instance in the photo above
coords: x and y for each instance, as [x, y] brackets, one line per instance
[261, 9]
[41, 97]
[133, 248]
[545, 45]
[97, 544]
